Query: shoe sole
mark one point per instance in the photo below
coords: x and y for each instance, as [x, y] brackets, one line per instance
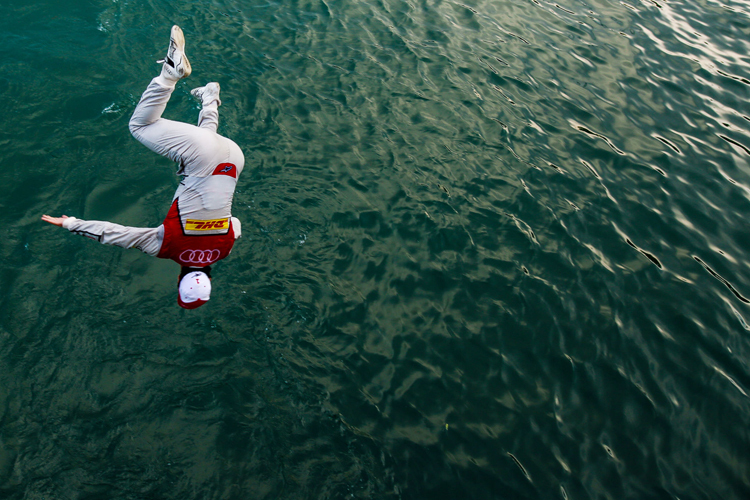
[179, 39]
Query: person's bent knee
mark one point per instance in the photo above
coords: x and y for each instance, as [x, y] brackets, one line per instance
[134, 126]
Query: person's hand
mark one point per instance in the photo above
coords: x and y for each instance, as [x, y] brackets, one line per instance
[57, 221]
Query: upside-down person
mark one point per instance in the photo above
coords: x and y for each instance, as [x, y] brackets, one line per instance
[199, 228]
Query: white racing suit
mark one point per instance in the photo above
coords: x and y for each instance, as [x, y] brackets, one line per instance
[199, 228]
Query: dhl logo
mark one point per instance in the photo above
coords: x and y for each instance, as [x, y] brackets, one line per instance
[206, 225]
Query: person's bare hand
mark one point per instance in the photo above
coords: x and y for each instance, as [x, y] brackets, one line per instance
[57, 221]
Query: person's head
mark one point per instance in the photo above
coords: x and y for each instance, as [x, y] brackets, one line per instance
[194, 287]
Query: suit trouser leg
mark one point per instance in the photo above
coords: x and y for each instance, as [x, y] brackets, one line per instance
[188, 145]
[198, 149]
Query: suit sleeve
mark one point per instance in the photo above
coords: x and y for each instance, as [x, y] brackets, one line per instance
[146, 239]
[237, 227]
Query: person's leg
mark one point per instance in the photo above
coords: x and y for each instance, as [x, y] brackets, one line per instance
[180, 142]
[209, 117]
[226, 150]
[186, 144]
[210, 102]
[197, 149]
[154, 100]
[152, 104]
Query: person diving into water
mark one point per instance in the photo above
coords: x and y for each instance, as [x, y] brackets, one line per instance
[199, 229]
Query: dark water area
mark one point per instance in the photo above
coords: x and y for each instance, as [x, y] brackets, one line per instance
[491, 250]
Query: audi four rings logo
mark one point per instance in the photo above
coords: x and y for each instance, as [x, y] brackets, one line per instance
[199, 256]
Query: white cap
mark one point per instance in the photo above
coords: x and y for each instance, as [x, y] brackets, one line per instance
[195, 286]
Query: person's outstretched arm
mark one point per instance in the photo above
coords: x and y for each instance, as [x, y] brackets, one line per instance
[146, 239]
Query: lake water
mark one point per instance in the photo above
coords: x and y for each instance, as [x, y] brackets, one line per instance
[491, 250]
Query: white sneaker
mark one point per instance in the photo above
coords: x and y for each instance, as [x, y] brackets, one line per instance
[207, 94]
[176, 64]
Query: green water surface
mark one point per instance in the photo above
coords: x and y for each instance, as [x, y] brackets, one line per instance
[492, 249]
